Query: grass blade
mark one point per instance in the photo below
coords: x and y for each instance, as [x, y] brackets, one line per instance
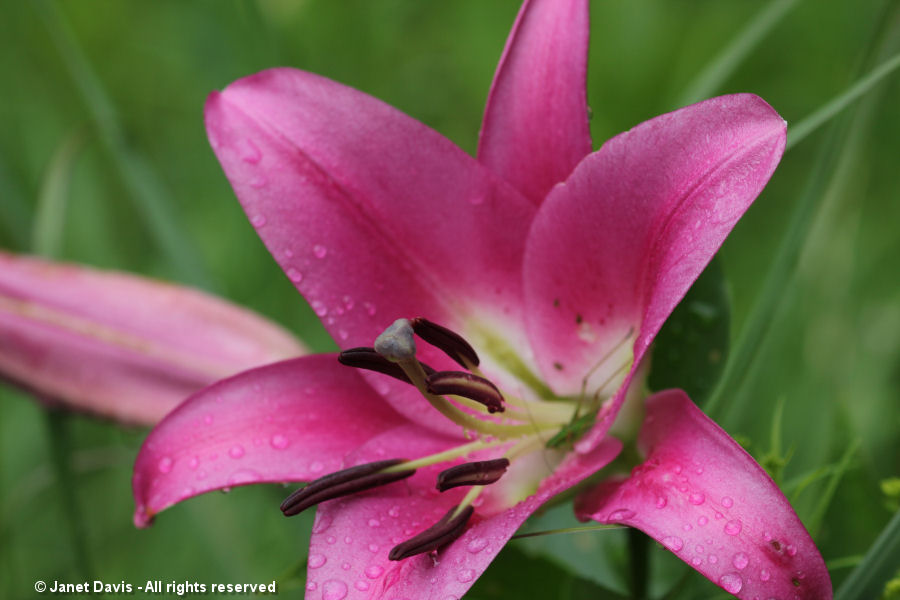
[47, 230]
[720, 68]
[877, 567]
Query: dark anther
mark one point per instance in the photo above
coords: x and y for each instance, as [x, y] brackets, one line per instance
[452, 344]
[368, 359]
[474, 473]
[440, 534]
[470, 386]
[343, 483]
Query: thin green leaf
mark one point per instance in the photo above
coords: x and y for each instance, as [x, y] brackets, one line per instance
[827, 495]
[879, 566]
[856, 91]
[726, 62]
[148, 193]
[47, 231]
[14, 211]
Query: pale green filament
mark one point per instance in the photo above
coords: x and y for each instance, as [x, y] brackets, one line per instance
[433, 459]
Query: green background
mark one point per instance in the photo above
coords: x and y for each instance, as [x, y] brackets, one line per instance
[105, 98]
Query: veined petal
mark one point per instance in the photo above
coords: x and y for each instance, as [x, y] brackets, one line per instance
[705, 499]
[290, 421]
[615, 248]
[365, 208]
[119, 345]
[353, 536]
[535, 127]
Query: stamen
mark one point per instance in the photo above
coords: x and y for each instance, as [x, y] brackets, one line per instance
[370, 360]
[343, 483]
[396, 343]
[466, 385]
[450, 342]
[450, 527]
[474, 473]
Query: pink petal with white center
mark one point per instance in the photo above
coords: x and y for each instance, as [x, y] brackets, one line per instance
[353, 536]
[535, 127]
[704, 498]
[290, 421]
[615, 248]
[371, 214]
[119, 345]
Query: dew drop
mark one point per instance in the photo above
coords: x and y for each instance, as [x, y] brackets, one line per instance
[194, 463]
[316, 467]
[620, 515]
[320, 251]
[696, 498]
[661, 502]
[740, 561]
[258, 221]
[251, 153]
[361, 585]
[279, 442]
[476, 545]
[334, 589]
[702, 521]
[791, 550]
[677, 469]
[673, 543]
[687, 527]
[370, 308]
[316, 560]
[258, 182]
[345, 566]
[348, 540]
[727, 502]
[294, 275]
[373, 547]
[311, 586]
[733, 527]
[374, 523]
[699, 549]
[696, 561]
[319, 308]
[764, 575]
[394, 511]
[236, 451]
[201, 474]
[165, 464]
[374, 572]
[465, 576]
[713, 559]
[731, 582]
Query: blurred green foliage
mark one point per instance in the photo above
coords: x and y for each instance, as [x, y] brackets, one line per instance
[145, 194]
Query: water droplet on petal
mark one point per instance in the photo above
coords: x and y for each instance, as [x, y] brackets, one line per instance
[294, 275]
[258, 221]
[258, 182]
[165, 464]
[374, 572]
[661, 502]
[702, 521]
[733, 527]
[279, 442]
[334, 589]
[345, 566]
[194, 463]
[244, 476]
[673, 543]
[696, 498]
[713, 559]
[374, 523]
[764, 575]
[251, 153]
[236, 451]
[316, 560]
[373, 548]
[740, 560]
[311, 586]
[394, 511]
[331, 539]
[465, 576]
[316, 467]
[696, 561]
[320, 251]
[319, 308]
[476, 545]
[361, 585]
[370, 308]
[791, 550]
[727, 502]
[622, 514]
[731, 582]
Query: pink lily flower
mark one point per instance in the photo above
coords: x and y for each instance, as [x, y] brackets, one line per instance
[552, 266]
[121, 346]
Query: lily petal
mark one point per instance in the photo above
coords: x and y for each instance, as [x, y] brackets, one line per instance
[705, 499]
[290, 421]
[122, 346]
[617, 246]
[352, 536]
[364, 209]
[535, 128]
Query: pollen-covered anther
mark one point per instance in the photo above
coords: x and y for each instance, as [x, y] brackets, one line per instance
[397, 343]
[450, 527]
[483, 472]
[449, 342]
[342, 483]
[370, 360]
[467, 385]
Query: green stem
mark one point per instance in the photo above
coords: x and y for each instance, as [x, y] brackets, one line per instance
[57, 424]
[639, 561]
